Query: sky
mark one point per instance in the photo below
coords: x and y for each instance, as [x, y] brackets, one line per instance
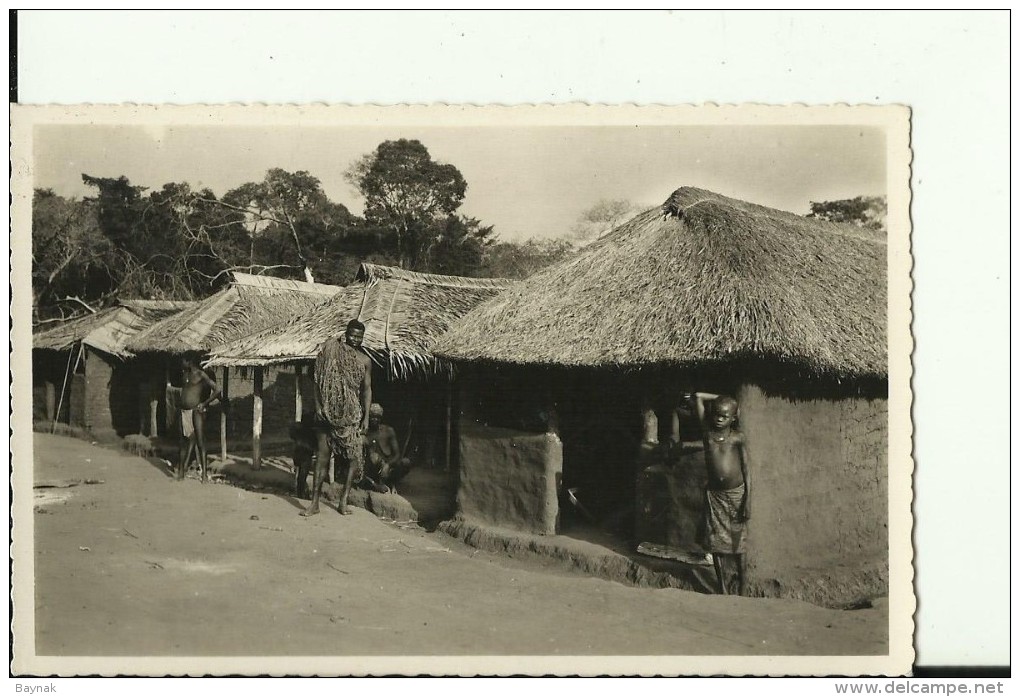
[529, 182]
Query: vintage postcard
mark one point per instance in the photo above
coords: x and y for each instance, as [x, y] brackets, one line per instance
[461, 390]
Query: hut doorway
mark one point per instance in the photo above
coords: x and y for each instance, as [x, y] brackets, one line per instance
[417, 408]
[599, 425]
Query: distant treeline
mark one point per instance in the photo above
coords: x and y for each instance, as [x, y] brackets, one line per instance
[178, 243]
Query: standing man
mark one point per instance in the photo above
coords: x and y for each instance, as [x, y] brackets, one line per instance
[197, 393]
[343, 394]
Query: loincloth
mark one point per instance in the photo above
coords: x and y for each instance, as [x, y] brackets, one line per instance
[345, 442]
[187, 422]
[724, 531]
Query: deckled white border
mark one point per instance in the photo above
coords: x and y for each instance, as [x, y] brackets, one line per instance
[893, 119]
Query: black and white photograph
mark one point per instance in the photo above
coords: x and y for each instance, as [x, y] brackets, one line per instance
[339, 387]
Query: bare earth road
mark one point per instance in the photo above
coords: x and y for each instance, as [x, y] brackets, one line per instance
[141, 565]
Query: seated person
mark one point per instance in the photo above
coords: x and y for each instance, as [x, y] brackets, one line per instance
[384, 466]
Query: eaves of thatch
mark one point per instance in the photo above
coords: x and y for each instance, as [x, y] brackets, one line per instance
[110, 329]
[250, 303]
[703, 279]
[404, 313]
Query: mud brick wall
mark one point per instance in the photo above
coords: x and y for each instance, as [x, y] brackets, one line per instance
[76, 401]
[98, 375]
[820, 494]
[278, 407]
[111, 394]
[508, 478]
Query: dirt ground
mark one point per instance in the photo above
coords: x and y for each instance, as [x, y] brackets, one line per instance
[141, 565]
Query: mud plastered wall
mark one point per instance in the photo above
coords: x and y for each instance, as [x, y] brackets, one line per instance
[819, 527]
[508, 478]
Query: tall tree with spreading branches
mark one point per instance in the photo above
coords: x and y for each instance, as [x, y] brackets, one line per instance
[408, 192]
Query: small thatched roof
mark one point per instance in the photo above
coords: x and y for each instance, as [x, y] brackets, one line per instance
[248, 304]
[111, 328]
[701, 279]
[404, 313]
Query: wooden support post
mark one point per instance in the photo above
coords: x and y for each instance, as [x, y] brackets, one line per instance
[298, 407]
[51, 401]
[169, 416]
[256, 426]
[449, 423]
[224, 409]
[650, 426]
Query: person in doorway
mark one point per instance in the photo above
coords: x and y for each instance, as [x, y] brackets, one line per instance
[385, 466]
[343, 393]
[728, 496]
[197, 393]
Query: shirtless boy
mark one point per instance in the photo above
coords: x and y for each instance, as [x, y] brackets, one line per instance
[343, 394]
[728, 497]
[192, 405]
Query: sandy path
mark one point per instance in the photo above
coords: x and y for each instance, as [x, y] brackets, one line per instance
[183, 569]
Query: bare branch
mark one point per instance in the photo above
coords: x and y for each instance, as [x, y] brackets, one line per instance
[262, 268]
[78, 300]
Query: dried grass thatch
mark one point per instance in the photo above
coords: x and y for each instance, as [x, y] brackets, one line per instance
[702, 279]
[110, 329]
[248, 304]
[404, 313]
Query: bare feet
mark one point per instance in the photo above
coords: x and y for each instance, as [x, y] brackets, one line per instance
[311, 510]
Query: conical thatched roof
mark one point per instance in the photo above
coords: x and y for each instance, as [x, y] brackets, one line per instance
[404, 313]
[110, 329]
[248, 304]
[702, 279]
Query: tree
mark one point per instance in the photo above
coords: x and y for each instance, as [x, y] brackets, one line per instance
[460, 247]
[521, 259]
[118, 205]
[599, 219]
[408, 192]
[72, 260]
[863, 211]
[286, 218]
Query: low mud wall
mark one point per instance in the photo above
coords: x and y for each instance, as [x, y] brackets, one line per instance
[509, 478]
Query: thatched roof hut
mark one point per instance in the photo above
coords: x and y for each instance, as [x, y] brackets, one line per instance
[700, 280]
[404, 312]
[110, 329]
[250, 303]
[85, 362]
[707, 294]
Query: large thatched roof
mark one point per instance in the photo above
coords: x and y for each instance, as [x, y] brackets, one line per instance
[248, 304]
[111, 328]
[404, 313]
[702, 279]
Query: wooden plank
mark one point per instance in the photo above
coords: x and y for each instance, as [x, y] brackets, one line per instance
[256, 427]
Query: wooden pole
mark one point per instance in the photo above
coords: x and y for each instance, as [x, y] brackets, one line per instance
[68, 376]
[449, 421]
[172, 406]
[153, 412]
[51, 401]
[298, 408]
[256, 426]
[224, 408]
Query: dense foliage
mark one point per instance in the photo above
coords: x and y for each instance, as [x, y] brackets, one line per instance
[179, 243]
